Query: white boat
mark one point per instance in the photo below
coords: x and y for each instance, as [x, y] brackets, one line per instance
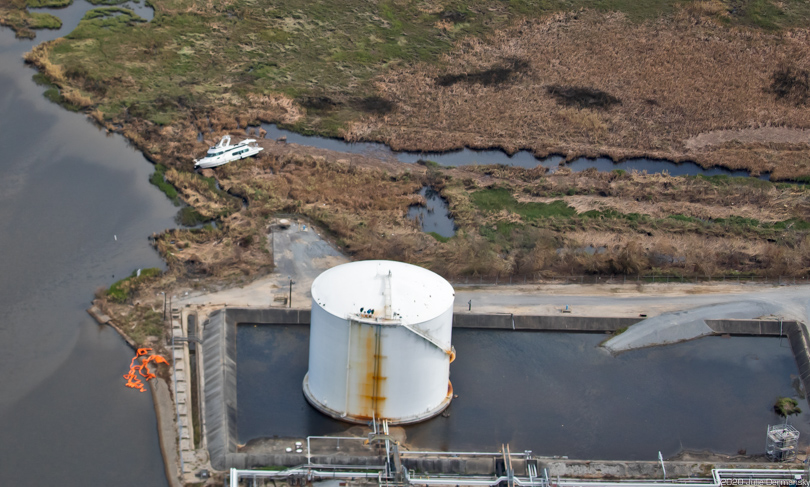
[224, 152]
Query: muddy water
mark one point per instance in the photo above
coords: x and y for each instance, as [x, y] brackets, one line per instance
[553, 393]
[435, 215]
[524, 159]
[76, 208]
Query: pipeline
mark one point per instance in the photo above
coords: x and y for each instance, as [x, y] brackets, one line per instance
[720, 478]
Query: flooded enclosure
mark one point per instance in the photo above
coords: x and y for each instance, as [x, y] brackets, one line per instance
[553, 393]
[525, 159]
[434, 217]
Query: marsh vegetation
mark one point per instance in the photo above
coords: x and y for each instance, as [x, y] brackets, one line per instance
[621, 79]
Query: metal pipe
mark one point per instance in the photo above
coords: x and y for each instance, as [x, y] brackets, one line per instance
[337, 438]
[719, 478]
[456, 453]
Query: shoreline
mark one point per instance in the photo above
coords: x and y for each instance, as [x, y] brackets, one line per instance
[162, 402]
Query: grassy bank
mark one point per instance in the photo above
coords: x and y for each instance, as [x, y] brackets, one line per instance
[15, 15]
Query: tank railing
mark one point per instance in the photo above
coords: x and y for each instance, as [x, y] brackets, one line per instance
[425, 337]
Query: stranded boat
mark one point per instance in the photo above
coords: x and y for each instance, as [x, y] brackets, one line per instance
[224, 152]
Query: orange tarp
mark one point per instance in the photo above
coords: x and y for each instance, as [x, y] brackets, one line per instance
[142, 368]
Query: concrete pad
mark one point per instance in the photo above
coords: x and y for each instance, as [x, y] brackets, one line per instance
[166, 429]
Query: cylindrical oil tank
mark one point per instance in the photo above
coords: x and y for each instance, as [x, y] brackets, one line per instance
[379, 346]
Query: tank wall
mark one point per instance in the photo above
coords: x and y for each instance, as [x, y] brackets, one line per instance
[416, 374]
[439, 328]
[328, 341]
[391, 368]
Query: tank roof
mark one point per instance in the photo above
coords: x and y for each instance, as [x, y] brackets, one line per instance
[350, 290]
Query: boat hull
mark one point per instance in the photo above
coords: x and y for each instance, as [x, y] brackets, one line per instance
[209, 162]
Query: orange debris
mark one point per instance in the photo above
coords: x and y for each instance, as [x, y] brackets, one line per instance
[142, 368]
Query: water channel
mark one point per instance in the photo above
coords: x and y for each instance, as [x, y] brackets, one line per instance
[526, 159]
[76, 209]
[552, 393]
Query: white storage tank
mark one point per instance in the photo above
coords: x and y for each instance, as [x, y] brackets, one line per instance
[379, 345]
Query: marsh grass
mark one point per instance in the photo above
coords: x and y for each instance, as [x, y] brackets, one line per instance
[48, 3]
[189, 217]
[122, 290]
[625, 102]
[786, 406]
[499, 199]
[439, 238]
[40, 20]
[158, 178]
[440, 77]
[791, 84]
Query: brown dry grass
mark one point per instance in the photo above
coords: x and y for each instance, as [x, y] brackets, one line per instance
[38, 56]
[675, 78]
[362, 205]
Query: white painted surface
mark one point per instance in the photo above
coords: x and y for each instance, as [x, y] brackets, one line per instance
[366, 364]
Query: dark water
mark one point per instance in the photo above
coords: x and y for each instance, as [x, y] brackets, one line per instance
[435, 215]
[66, 191]
[553, 393]
[526, 159]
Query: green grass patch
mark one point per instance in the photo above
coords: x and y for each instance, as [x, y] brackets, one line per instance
[429, 164]
[189, 217]
[48, 3]
[785, 406]
[502, 233]
[684, 218]
[737, 221]
[611, 214]
[52, 92]
[121, 290]
[723, 180]
[120, 13]
[438, 237]
[791, 223]
[498, 199]
[158, 178]
[42, 80]
[41, 20]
